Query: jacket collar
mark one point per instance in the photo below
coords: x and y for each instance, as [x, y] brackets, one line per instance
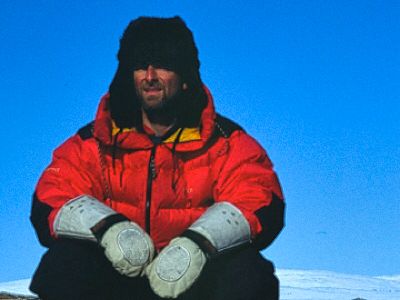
[190, 139]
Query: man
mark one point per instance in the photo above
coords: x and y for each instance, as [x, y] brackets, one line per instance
[159, 197]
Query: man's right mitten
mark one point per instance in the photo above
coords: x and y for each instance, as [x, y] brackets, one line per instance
[128, 247]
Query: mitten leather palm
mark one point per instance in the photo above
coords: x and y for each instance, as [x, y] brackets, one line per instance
[222, 227]
[126, 245]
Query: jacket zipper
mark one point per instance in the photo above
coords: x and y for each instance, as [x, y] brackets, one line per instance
[151, 174]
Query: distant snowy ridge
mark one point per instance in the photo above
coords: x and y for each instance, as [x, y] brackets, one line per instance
[300, 285]
[325, 285]
[394, 278]
[18, 287]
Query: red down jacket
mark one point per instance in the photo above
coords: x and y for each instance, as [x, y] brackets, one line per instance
[163, 187]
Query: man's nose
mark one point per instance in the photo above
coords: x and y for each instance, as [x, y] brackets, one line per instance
[151, 73]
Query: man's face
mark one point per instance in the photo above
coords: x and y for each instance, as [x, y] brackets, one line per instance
[157, 87]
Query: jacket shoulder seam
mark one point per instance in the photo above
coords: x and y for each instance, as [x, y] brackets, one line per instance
[225, 126]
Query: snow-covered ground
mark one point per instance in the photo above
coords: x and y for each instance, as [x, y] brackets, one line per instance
[302, 285]
[19, 287]
[324, 285]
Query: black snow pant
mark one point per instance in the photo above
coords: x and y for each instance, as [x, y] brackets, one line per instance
[78, 270]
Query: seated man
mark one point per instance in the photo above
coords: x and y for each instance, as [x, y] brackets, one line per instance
[160, 196]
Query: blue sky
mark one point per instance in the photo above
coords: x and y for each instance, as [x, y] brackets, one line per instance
[316, 82]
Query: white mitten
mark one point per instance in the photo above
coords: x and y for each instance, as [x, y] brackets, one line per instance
[222, 227]
[126, 245]
[176, 268]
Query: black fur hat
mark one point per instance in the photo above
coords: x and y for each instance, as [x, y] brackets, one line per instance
[162, 42]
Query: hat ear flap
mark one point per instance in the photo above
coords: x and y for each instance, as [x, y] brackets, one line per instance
[124, 106]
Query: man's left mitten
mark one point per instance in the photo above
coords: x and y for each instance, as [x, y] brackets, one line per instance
[222, 227]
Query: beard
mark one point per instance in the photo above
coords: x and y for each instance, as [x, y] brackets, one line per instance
[163, 110]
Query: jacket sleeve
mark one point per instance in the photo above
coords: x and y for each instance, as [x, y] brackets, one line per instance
[248, 181]
[71, 173]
